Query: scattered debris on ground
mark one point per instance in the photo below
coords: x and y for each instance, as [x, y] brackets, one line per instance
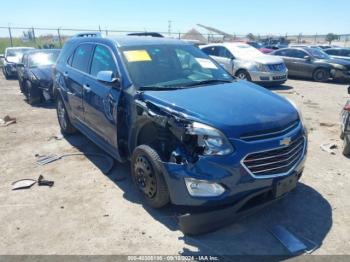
[329, 148]
[28, 183]
[327, 124]
[42, 182]
[47, 159]
[7, 120]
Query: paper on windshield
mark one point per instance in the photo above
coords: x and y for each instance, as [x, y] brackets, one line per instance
[206, 63]
[137, 56]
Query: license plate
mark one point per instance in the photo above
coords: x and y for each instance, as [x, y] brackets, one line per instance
[285, 185]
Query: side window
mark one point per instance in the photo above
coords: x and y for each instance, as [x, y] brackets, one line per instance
[212, 50]
[81, 57]
[345, 52]
[331, 52]
[224, 52]
[102, 60]
[297, 53]
[286, 52]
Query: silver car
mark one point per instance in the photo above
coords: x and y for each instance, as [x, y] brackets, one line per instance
[12, 56]
[247, 62]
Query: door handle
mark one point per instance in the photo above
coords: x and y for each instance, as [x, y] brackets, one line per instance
[65, 74]
[87, 88]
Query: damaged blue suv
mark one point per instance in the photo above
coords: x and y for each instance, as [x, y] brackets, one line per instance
[195, 136]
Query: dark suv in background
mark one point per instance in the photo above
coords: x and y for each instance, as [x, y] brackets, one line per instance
[313, 63]
[190, 130]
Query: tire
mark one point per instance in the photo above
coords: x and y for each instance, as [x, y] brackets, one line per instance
[346, 147]
[321, 75]
[243, 75]
[21, 86]
[33, 94]
[63, 119]
[5, 74]
[146, 172]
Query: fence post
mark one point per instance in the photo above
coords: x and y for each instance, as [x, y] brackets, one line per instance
[10, 36]
[33, 35]
[106, 32]
[59, 37]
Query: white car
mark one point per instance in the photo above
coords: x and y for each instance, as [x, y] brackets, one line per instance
[12, 56]
[248, 63]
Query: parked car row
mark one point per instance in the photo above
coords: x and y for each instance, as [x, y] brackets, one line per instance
[33, 69]
[195, 135]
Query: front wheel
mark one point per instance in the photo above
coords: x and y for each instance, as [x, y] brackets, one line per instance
[243, 75]
[63, 118]
[321, 75]
[147, 175]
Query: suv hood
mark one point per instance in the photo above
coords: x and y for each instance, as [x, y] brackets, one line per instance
[234, 108]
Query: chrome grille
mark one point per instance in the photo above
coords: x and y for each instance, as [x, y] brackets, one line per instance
[275, 162]
[277, 67]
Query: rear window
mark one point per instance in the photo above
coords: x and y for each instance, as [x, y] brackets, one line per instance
[81, 57]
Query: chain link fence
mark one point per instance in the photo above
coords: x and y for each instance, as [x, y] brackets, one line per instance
[55, 37]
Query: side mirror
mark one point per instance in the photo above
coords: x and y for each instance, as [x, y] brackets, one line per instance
[107, 77]
[307, 58]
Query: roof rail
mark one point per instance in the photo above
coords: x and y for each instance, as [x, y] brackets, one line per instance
[89, 34]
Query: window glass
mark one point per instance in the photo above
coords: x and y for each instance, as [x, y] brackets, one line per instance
[223, 52]
[212, 50]
[285, 52]
[169, 66]
[81, 57]
[332, 52]
[102, 61]
[297, 53]
[46, 58]
[345, 52]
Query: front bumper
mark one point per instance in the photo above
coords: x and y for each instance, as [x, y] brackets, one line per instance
[269, 77]
[342, 75]
[229, 172]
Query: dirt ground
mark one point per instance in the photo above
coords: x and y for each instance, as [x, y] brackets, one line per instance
[87, 212]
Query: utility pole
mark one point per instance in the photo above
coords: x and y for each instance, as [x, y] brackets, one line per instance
[59, 37]
[10, 36]
[169, 28]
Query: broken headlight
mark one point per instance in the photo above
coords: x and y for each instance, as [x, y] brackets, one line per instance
[210, 139]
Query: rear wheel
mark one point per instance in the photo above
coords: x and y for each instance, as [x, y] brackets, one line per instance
[147, 175]
[63, 118]
[321, 75]
[243, 75]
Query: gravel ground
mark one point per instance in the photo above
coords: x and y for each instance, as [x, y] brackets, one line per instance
[87, 212]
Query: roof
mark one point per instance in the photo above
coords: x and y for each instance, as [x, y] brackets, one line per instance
[141, 40]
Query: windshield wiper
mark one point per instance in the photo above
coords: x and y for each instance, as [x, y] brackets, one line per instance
[157, 88]
[209, 81]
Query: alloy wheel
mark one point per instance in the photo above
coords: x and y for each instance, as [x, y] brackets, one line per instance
[61, 113]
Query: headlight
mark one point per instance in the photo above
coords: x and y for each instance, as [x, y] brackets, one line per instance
[203, 188]
[212, 140]
[339, 67]
[261, 67]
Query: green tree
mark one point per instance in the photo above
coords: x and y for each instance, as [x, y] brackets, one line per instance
[331, 37]
[251, 37]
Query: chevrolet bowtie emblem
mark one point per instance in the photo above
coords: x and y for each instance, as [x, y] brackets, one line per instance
[286, 141]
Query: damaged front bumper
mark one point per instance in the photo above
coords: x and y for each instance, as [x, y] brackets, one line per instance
[244, 191]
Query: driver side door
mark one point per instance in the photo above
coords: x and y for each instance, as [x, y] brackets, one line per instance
[100, 99]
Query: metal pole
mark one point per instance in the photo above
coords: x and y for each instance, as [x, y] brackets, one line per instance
[59, 37]
[10, 36]
[33, 35]
[106, 32]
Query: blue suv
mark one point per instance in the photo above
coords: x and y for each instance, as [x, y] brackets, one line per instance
[195, 136]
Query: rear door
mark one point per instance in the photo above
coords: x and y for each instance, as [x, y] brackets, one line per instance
[299, 64]
[74, 75]
[101, 98]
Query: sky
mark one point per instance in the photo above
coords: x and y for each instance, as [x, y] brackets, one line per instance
[232, 16]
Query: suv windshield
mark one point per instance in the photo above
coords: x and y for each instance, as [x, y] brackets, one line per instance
[171, 66]
[317, 53]
[42, 59]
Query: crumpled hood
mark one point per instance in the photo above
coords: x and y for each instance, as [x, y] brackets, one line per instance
[336, 61]
[234, 108]
[43, 73]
